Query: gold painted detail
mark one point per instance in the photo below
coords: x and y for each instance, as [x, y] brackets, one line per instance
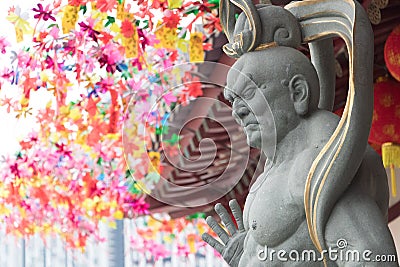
[266, 46]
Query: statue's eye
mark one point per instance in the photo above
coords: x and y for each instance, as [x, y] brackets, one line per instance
[248, 93]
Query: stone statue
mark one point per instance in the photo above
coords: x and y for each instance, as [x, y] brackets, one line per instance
[322, 199]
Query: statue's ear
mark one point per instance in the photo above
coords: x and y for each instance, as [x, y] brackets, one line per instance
[300, 93]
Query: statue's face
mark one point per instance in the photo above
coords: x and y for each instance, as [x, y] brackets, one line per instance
[250, 108]
[241, 96]
[270, 93]
[261, 102]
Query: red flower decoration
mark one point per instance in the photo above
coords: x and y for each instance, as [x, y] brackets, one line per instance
[171, 19]
[77, 2]
[105, 5]
[127, 29]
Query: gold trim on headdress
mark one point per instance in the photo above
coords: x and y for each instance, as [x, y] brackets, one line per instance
[328, 179]
[266, 46]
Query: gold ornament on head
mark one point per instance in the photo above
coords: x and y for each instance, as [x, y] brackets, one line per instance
[258, 27]
[243, 41]
[266, 46]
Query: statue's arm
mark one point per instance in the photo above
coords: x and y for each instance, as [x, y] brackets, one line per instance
[232, 248]
[357, 226]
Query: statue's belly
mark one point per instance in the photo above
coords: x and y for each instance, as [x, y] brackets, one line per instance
[275, 219]
[255, 255]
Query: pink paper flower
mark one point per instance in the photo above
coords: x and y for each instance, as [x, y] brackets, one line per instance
[3, 44]
[169, 98]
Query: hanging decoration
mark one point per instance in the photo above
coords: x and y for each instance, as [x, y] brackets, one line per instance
[102, 65]
[385, 130]
[196, 51]
[182, 234]
[392, 53]
[391, 159]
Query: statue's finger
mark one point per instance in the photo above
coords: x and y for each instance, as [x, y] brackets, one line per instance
[225, 218]
[212, 242]
[237, 214]
[218, 229]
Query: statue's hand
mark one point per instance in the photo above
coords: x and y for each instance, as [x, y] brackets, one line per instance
[233, 241]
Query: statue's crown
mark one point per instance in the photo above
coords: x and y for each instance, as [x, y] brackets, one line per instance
[257, 27]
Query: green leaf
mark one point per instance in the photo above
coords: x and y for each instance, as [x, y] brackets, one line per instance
[184, 34]
[110, 20]
[126, 75]
[84, 8]
[215, 3]
[197, 215]
[52, 25]
[133, 189]
[18, 155]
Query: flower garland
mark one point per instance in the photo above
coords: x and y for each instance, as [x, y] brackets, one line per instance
[104, 64]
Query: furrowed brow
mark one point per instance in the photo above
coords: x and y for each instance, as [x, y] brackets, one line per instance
[242, 82]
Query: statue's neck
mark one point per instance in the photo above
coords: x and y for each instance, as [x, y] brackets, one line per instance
[291, 144]
[304, 135]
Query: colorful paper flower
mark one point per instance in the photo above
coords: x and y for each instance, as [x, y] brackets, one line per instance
[70, 173]
[43, 13]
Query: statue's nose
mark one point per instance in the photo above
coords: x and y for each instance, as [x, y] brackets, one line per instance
[239, 109]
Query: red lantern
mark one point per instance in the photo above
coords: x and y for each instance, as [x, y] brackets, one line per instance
[385, 130]
[392, 53]
[386, 118]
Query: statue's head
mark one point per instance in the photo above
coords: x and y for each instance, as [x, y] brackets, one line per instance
[264, 38]
[270, 90]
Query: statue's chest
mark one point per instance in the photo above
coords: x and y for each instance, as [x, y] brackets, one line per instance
[271, 214]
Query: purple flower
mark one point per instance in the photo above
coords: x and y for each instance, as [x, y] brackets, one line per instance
[44, 14]
[91, 32]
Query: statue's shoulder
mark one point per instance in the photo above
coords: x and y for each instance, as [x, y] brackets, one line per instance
[321, 126]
